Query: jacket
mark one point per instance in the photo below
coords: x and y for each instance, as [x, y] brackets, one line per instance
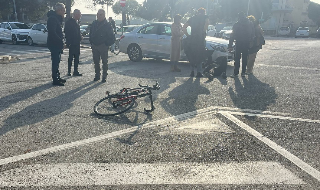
[242, 31]
[100, 32]
[72, 33]
[54, 26]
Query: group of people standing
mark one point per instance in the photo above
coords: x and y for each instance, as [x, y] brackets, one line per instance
[101, 38]
[246, 33]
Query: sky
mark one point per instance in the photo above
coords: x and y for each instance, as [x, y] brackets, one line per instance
[79, 4]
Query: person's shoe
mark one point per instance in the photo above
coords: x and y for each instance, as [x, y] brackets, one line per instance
[243, 74]
[62, 80]
[77, 74]
[104, 80]
[199, 75]
[223, 75]
[57, 83]
[249, 73]
[233, 76]
[192, 74]
[176, 69]
[96, 78]
[69, 74]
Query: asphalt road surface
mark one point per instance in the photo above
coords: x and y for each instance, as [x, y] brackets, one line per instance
[256, 132]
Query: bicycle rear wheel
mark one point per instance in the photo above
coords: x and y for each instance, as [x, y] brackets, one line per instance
[113, 105]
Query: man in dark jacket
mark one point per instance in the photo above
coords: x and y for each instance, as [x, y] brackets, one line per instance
[113, 24]
[243, 34]
[197, 43]
[99, 37]
[55, 40]
[73, 39]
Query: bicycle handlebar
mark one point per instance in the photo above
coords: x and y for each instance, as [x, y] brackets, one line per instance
[154, 87]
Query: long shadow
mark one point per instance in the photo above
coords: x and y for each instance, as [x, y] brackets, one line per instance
[184, 97]
[45, 109]
[11, 99]
[252, 94]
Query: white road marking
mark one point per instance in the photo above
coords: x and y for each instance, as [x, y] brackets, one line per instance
[209, 110]
[289, 67]
[277, 117]
[82, 174]
[294, 159]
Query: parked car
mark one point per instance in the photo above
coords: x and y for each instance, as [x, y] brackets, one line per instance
[284, 31]
[318, 33]
[226, 35]
[302, 32]
[16, 32]
[154, 41]
[84, 30]
[38, 34]
[224, 29]
[125, 29]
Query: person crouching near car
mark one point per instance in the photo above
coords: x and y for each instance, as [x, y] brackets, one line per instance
[100, 32]
[73, 39]
[177, 33]
[55, 40]
[257, 43]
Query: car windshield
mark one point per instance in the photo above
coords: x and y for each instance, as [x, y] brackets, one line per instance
[19, 26]
[83, 26]
[303, 28]
[128, 29]
[227, 28]
[284, 28]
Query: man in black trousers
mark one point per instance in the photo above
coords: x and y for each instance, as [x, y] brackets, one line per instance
[55, 40]
[73, 39]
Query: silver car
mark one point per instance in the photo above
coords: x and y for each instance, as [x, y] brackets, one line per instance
[153, 40]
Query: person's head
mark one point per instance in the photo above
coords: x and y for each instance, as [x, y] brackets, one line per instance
[177, 19]
[201, 11]
[241, 16]
[110, 18]
[253, 20]
[101, 15]
[76, 14]
[60, 9]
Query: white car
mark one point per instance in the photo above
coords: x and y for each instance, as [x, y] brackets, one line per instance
[84, 30]
[284, 31]
[154, 41]
[14, 32]
[302, 32]
[38, 34]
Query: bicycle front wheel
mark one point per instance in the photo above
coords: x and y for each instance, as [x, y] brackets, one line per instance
[113, 105]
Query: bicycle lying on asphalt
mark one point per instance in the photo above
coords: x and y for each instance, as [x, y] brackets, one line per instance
[115, 104]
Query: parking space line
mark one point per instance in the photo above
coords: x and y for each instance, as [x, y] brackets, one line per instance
[294, 159]
[276, 117]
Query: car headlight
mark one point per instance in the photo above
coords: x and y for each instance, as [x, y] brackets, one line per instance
[218, 48]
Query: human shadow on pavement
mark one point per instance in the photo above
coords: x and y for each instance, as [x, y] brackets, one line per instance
[7, 101]
[252, 94]
[43, 110]
[183, 98]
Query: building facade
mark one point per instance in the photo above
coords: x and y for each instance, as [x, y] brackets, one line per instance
[292, 13]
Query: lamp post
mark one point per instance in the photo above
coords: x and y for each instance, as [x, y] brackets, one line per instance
[248, 7]
[15, 11]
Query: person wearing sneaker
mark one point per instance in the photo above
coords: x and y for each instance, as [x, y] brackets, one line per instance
[177, 33]
[55, 40]
[243, 34]
[73, 39]
[101, 36]
[197, 43]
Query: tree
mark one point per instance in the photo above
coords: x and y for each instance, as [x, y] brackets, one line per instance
[131, 8]
[314, 12]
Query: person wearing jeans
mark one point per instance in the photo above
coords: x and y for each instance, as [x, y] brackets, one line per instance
[55, 41]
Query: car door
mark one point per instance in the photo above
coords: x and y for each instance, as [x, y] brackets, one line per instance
[43, 34]
[7, 31]
[148, 39]
[164, 41]
[2, 30]
[33, 33]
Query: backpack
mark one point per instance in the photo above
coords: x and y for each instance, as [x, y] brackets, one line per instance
[244, 31]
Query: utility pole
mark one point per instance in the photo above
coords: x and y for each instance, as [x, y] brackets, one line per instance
[68, 9]
[248, 8]
[15, 11]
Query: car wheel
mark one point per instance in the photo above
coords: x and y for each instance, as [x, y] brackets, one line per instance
[14, 40]
[0, 41]
[30, 41]
[134, 53]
